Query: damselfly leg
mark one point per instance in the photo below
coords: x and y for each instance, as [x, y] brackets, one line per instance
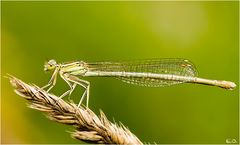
[83, 83]
[52, 81]
[72, 82]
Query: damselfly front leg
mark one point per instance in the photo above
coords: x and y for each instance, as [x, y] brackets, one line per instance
[83, 83]
[52, 81]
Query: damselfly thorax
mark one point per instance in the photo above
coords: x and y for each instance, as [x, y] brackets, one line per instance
[74, 68]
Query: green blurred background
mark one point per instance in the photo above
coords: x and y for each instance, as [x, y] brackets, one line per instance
[204, 32]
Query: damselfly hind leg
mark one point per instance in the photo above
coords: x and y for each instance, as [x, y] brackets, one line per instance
[85, 94]
[82, 83]
[69, 91]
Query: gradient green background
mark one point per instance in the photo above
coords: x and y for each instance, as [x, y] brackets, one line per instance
[204, 32]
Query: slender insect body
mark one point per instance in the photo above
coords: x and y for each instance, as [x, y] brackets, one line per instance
[151, 73]
[141, 75]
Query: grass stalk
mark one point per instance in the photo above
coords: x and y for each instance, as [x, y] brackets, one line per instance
[88, 126]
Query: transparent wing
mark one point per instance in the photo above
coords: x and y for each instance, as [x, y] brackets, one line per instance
[181, 67]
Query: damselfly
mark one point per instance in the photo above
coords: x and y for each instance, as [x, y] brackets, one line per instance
[151, 73]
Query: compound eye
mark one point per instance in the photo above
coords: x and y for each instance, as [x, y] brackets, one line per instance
[52, 62]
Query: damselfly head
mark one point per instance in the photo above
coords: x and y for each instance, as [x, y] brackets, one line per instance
[50, 65]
